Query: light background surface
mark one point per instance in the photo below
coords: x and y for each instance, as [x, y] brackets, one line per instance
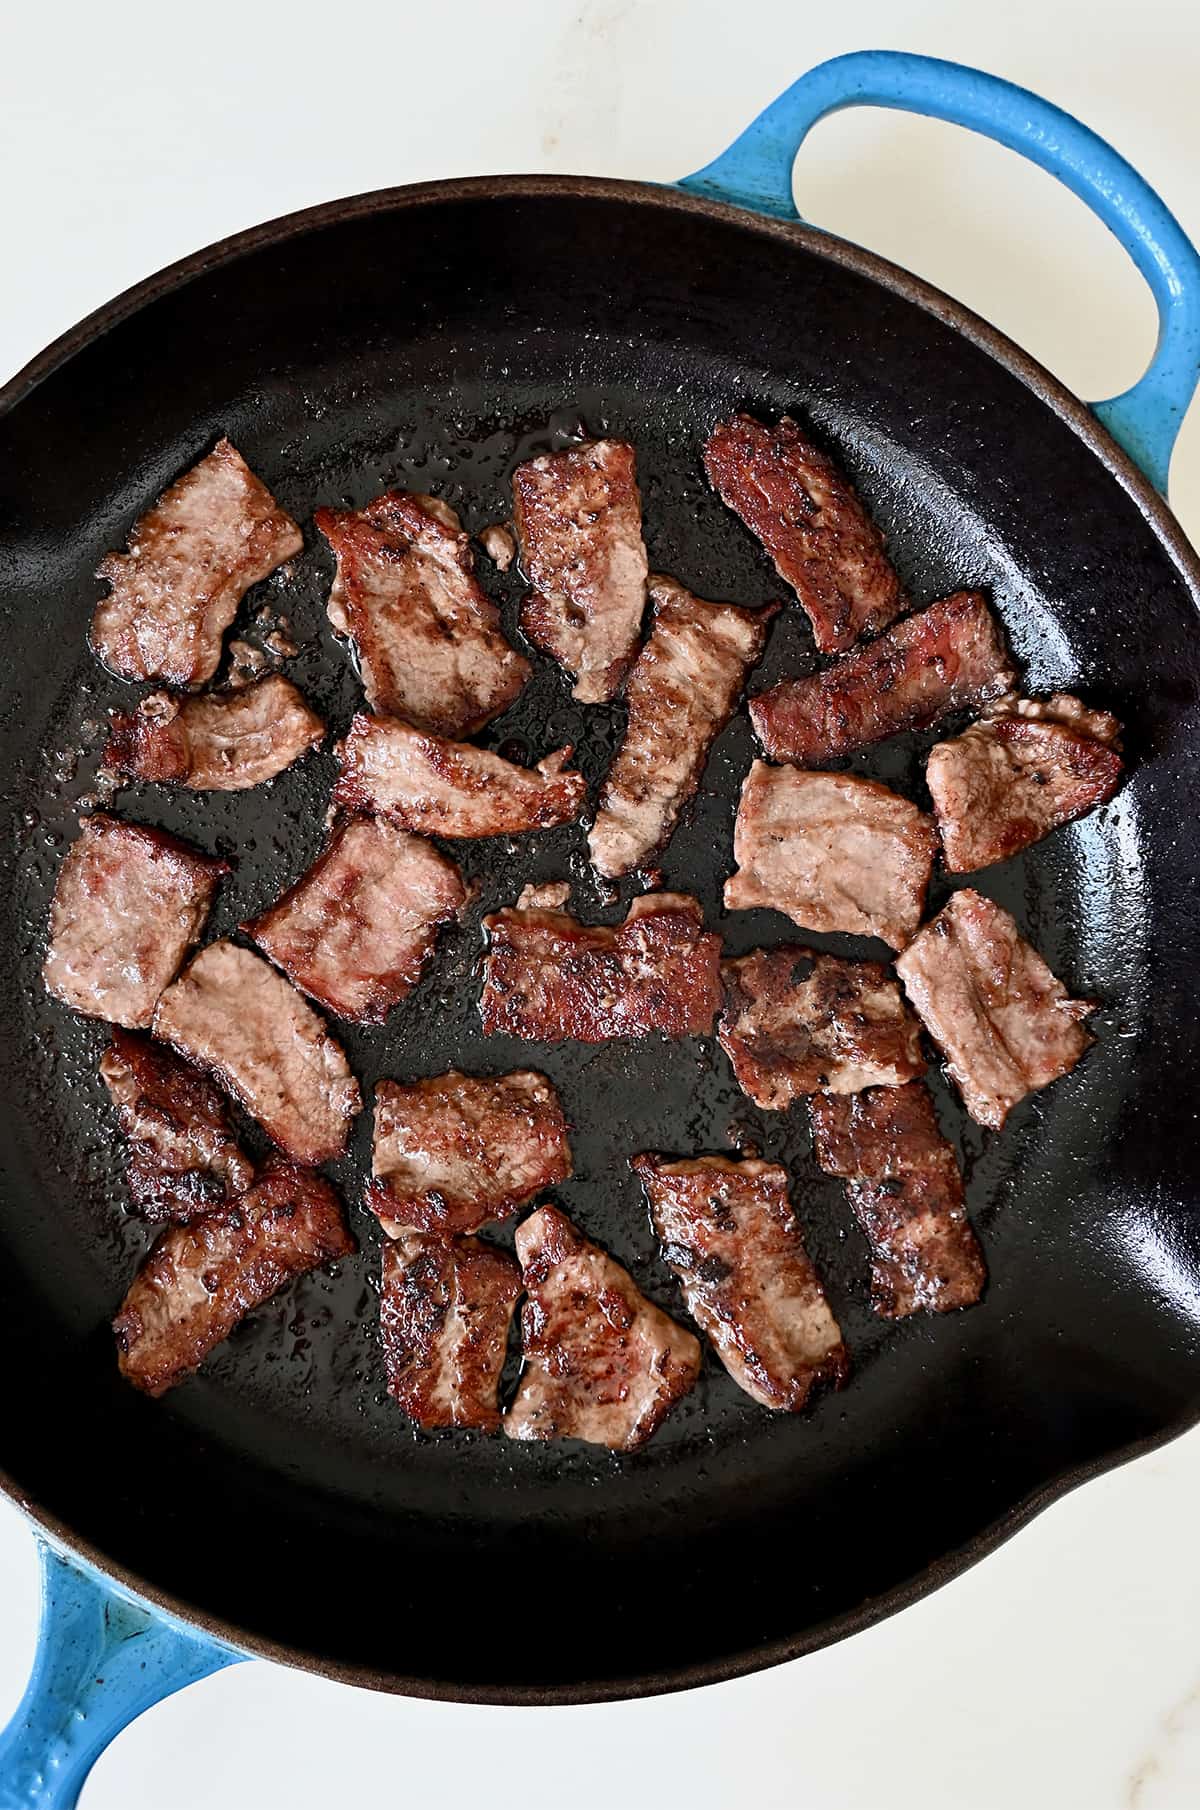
[1065, 1671]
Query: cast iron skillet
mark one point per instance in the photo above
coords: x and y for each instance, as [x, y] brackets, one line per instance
[432, 337]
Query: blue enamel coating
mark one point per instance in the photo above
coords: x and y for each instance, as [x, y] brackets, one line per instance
[756, 172]
[102, 1659]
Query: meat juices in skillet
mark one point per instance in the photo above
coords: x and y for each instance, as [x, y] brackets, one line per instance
[1021, 771]
[428, 638]
[129, 902]
[1004, 1023]
[906, 1192]
[232, 1014]
[807, 516]
[357, 930]
[222, 741]
[578, 517]
[833, 851]
[183, 1158]
[454, 1151]
[199, 1280]
[938, 660]
[601, 1362]
[796, 1021]
[550, 979]
[445, 1307]
[191, 560]
[729, 1233]
[437, 787]
[682, 690]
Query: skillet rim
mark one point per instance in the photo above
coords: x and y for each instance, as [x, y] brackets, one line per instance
[1158, 515]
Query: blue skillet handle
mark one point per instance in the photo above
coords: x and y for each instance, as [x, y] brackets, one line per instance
[102, 1658]
[756, 172]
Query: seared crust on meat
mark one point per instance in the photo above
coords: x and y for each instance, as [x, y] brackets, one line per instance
[429, 641]
[807, 516]
[445, 1307]
[681, 692]
[222, 741]
[551, 979]
[454, 1151]
[796, 1021]
[199, 1280]
[938, 660]
[1004, 1023]
[729, 1233]
[906, 1192]
[357, 930]
[578, 517]
[437, 787]
[191, 560]
[833, 851]
[183, 1159]
[1022, 770]
[129, 903]
[601, 1362]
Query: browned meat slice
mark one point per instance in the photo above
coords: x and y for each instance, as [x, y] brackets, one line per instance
[906, 1192]
[223, 741]
[429, 642]
[229, 1012]
[1004, 1023]
[832, 851]
[601, 1362]
[453, 1152]
[357, 929]
[795, 1021]
[682, 691]
[551, 979]
[129, 903]
[1018, 773]
[799, 505]
[729, 1233]
[191, 560]
[942, 659]
[442, 788]
[199, 1280]
[578, 517]
[183, 1158]
[445, 1307]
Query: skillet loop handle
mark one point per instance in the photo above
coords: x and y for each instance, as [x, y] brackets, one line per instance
[756, 172]
[101, 1660]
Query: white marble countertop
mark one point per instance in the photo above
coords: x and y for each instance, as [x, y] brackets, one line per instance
[1065, 1671]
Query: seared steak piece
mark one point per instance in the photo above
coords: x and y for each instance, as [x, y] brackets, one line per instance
[1004, 1023]
[443, 788]
[551, 979]
[832, 851]
[1022, 770]
[445, 1307]
[428, 639]
[942, 659]
[798, 504]
[191, 560]
[183, 1158]
[796, 1021]
[454, 1151]
[356, 931]
[682, 691]
[229, 1012]
[578, 517]
[601, 1362]
[906, 1192]
[222, 741]
[129, 903]
[199, 1280]
[729, 1233]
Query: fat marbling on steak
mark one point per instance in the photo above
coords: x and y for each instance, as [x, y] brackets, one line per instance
[445, 1307]
[220, 741]
[183, 1158]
